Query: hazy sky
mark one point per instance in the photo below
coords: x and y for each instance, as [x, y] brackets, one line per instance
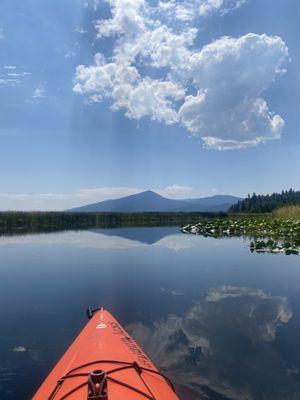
[100, 99]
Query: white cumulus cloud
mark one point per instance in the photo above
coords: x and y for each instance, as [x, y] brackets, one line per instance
[176, 191]
[187, 10]
[230, 76]
[215, 92]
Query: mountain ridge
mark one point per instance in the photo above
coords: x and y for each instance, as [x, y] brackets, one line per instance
[150, 201]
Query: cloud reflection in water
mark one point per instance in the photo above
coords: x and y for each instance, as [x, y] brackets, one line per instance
[223, 346]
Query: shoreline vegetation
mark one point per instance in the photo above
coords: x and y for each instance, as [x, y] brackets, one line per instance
[277, 232]
[21, 222]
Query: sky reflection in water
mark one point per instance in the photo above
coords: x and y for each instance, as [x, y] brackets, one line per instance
[224, 323]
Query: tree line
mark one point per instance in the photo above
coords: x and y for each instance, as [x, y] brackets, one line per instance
[266, 203]
[17, 222]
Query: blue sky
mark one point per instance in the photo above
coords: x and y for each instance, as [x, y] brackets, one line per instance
[189, 98]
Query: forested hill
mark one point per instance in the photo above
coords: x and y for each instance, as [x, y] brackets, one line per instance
[266, 203]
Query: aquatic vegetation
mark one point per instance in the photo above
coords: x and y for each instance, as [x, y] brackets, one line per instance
[271, 246]
[268, 233]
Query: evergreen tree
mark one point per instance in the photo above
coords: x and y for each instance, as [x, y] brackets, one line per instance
[266, 203]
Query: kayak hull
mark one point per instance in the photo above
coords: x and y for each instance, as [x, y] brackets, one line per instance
[104, 347]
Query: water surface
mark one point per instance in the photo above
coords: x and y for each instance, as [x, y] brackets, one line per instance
[222, 322]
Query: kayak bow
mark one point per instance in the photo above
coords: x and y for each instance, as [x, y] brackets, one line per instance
[105, 363]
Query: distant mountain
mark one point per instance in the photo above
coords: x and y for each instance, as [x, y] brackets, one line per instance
[150, 201]
[215, 203]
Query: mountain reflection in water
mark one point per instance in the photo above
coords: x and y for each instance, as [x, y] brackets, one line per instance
[143, 234]
[221, 322]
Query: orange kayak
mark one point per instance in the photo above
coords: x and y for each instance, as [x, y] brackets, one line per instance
[105, 363]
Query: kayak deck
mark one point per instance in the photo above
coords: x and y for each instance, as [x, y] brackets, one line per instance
[104, 362]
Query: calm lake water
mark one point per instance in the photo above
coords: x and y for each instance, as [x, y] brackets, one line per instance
[224, 323]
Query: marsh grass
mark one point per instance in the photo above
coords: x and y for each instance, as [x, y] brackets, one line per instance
[292, 211]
